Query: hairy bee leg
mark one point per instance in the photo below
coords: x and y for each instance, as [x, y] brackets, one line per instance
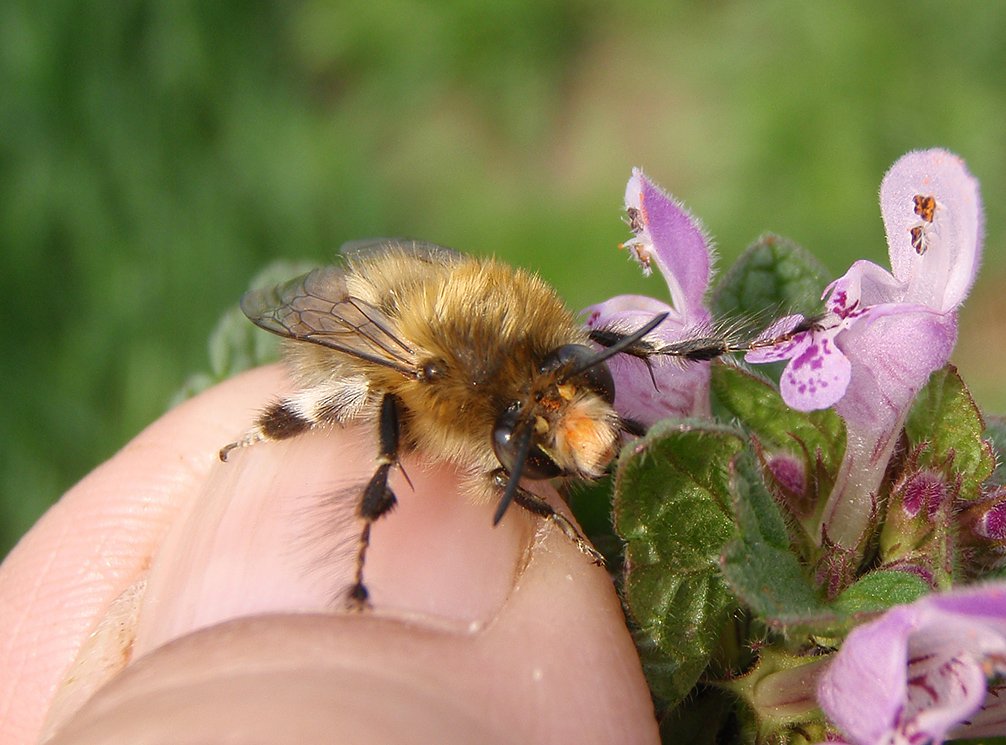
[609, 338]
[538, 506]
[378, 499]
[632, 427]
[278, 422]
[699, 349]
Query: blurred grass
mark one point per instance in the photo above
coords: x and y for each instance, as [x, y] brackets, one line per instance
[156, 154]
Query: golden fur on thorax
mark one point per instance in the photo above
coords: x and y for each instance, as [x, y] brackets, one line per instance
[484, 328]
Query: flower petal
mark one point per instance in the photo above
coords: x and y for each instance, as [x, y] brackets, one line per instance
[864, 688]
[663, 388]
[627, 313]
[989, 720]
[667, 234]
[894, 351]
[920, 670]
[864, 285]
[946, 681]
[818, 374]
[674, 390]
[935, 226]
[892, 356]
[782, 350]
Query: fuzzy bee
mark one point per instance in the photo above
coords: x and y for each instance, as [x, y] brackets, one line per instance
[463, 359]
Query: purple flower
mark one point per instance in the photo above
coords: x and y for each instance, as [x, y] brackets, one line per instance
[665, 234]
[932, 212]
[922, 672]
[883, 332]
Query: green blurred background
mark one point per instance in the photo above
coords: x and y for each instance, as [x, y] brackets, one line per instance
[156, 154]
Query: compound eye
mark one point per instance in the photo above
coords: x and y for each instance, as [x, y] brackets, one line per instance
[537, 465]
[571, 356]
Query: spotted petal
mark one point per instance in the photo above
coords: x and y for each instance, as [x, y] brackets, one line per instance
[666, 234]
[921, 670]
[935, 226]
[818, 374]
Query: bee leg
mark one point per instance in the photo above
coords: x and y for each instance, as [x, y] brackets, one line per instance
[538, 506]
[278, 422]
[609, 338]
[632, 427]
[378, 499]
[697, 349]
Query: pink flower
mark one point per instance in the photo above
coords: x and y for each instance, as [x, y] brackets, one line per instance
[934, 263]
[922, 672]
[665, 234]
[883, 332]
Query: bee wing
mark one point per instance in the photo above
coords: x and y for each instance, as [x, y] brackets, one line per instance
[318, 308]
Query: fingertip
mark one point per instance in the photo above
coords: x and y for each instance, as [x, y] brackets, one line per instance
[512, 621]
[277, 529]
[64, 574]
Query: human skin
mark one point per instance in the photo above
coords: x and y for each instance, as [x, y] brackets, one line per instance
[170, 597]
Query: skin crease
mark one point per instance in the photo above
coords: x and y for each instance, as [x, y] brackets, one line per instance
[218, 584]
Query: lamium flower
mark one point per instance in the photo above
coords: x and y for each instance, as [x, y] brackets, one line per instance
[664, 234]
[922, 672]
[883, 332]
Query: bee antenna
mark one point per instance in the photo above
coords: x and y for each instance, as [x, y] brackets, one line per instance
[523, 448]
[620, 346]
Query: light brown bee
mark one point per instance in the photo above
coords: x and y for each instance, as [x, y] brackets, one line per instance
[463, 359]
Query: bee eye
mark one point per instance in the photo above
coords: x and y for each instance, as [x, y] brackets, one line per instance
[597, 376]
[537, 465]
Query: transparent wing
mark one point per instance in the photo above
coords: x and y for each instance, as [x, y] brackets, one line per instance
[317, 308]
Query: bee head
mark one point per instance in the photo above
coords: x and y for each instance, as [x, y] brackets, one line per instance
[567, 425]
[563, 420]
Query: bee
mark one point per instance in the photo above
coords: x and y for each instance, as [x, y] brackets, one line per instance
[462, 359]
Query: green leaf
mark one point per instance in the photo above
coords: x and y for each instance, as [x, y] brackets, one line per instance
[945, 416]
[769, 578]
[816, 438]
[759, 407]
[672, 507]
[701, 721]
[760, 565]
[774, 275]
[877, 591]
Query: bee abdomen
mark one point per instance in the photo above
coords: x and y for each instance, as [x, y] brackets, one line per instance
[281, 421]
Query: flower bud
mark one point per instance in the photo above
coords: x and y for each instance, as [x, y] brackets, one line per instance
[923, 493]
[780, 693]
[918, 532]
[983, 532]
[990, 523]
